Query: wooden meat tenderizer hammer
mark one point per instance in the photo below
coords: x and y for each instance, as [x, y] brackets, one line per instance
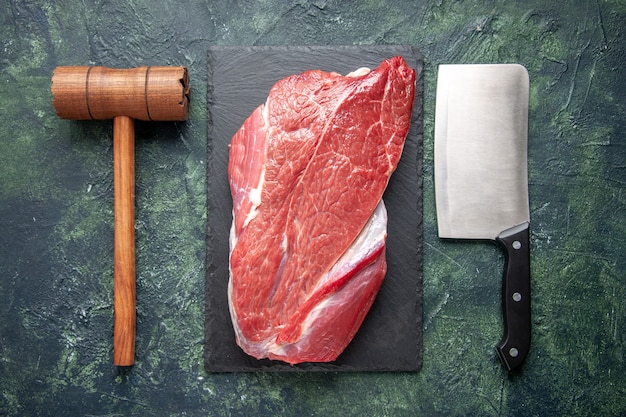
[158, 93]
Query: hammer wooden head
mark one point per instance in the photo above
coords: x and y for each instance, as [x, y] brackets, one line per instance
[158, 93]
[145, 93]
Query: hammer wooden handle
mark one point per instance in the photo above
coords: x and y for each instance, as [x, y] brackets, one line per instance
[124, 270]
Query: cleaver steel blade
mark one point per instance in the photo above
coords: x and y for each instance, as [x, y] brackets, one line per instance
[481, 178]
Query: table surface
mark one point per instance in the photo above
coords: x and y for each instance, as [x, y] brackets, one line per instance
[56, 215]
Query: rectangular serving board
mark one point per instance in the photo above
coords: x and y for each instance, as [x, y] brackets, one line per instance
[239, 80]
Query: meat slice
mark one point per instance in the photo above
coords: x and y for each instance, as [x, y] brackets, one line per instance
[307, 172]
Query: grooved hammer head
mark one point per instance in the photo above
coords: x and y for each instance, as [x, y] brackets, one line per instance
[159, 93]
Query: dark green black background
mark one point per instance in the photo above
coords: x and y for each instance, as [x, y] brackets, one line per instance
[56, 211]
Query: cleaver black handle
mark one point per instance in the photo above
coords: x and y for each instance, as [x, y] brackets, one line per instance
[515, 343]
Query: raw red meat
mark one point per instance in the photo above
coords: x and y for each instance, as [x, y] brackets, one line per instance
[307, 172]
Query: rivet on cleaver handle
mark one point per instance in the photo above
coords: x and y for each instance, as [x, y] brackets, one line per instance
[481, 178]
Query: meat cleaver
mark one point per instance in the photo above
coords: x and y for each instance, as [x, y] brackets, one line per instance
[481, 179]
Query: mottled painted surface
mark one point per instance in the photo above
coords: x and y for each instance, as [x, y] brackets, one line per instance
[56, 210]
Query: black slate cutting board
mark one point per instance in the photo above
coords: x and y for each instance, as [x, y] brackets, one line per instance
[390, 339]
